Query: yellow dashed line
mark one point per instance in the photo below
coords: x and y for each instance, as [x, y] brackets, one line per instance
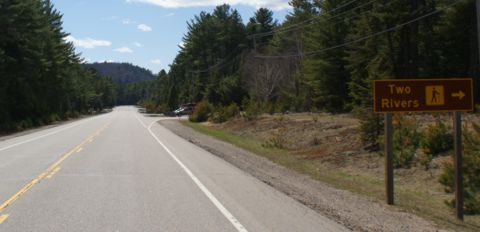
[3, 217]
[53, 173]
[50, 171]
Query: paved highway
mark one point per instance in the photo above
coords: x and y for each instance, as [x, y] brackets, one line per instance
[122, 171]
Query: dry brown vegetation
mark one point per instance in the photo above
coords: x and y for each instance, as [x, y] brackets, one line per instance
[334, 142]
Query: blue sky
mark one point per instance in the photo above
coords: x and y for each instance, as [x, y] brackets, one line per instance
[142, 32]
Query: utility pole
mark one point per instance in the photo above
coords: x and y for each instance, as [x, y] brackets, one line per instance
[299, 62]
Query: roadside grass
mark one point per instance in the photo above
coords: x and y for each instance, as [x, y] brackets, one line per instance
[407, 199]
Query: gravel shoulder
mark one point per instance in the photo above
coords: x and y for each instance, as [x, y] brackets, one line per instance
[353, 211]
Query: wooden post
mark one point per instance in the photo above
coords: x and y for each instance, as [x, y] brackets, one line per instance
[389, 158]
[458, 166]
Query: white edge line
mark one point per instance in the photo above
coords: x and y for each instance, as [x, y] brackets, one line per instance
[45, 135]
[202, 187]
[143, 124]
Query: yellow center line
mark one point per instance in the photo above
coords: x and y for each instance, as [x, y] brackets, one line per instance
[53, 173]
[3, 217]
[79, 149]
[49, 170]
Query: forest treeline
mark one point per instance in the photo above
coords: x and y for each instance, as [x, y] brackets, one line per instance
[122, 73]
[42, 79]
[323, 56]
[132, 82]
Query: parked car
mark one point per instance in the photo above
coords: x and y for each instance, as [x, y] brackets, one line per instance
[185, 109]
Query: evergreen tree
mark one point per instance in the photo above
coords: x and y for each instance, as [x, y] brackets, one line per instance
[42, 79]
[325, 72]
[262, 23]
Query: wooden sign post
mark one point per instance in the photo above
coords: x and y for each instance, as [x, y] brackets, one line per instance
[424, 95]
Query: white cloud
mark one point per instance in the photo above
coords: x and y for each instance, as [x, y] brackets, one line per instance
[88, 43]
[156, 61]
[111, 18]
[123, 50]
[127, 21]
[272, 4]
[144, 28]
[169, 15]
[137, 44]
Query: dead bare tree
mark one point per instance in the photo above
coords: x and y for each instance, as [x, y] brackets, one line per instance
[265, 78]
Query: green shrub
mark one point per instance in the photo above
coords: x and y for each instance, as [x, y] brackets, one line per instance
[24, 124]
[50, 119]
[217, 117]
[406, 141]
[371, 127]
[425, 159]
[223, 114]
[201, 112]
[278, 139]
[271, 108]
[437, 139]
[7, 127]
[231, 111]
[471, 172]
[53, 118]
[151, 107]
[72, 114]
[252, 109]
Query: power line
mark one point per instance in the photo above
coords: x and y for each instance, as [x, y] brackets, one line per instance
[309, 21]
[367, 36]
[296, 25]
[368, 11]
[223, 63]
[219, 65]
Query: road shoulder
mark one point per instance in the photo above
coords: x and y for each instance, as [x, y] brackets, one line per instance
[7, 136]
[353, 211]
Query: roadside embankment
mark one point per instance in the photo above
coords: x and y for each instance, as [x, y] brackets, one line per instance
[279, 169]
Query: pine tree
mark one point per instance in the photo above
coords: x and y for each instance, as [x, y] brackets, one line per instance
[325, 71]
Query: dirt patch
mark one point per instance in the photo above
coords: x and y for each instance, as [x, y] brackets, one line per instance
[355, 212]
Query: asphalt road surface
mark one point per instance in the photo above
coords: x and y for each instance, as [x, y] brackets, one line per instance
[122, 171]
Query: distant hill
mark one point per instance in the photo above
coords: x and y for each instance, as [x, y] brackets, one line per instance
[122, 73]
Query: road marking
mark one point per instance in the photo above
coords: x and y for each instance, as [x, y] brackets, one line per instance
[143, 124]
[79, 149]
[53, 173]
[45, 135]
[3, 217]
[200, 185]
[49, 170]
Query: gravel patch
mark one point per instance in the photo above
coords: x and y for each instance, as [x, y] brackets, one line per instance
[356, 212]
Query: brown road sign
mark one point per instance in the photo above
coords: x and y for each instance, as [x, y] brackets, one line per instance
[426, 95]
